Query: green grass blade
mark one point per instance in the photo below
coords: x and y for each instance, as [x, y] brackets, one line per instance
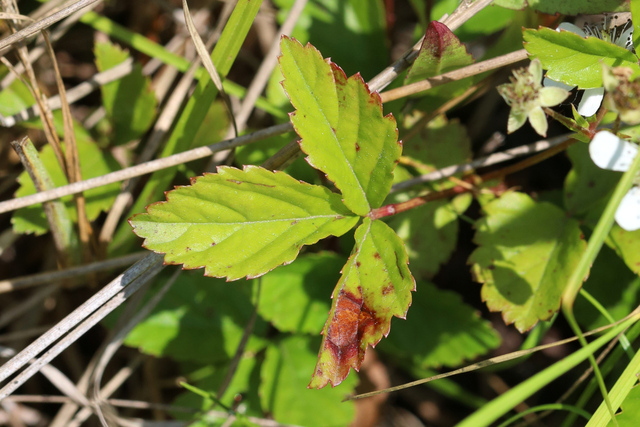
[194, 112]
[503, 404]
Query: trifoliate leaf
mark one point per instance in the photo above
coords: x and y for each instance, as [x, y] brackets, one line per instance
[341, 125]
[450, 331]
[527, 253]
[238, 223]
[283, 393]
[574, 60]
[376, 285]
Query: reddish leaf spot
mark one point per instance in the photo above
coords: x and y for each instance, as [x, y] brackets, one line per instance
[357, 263]
[388, 289]
[235, 181]
[377, 255]
[357, 147]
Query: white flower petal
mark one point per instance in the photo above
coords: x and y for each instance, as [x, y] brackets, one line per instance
[628, 213]
[547, 82]
[610, 152]
[567, 26]
[591, 101]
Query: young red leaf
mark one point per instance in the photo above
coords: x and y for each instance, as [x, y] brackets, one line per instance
[341, 125]
[376, 285]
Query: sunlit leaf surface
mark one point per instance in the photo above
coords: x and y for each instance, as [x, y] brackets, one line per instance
[527, 252]
[238, 223]
[341, 125]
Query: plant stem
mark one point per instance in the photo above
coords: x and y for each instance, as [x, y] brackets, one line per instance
[593, 248]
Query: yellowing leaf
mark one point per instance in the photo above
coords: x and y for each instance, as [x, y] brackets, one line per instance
[238, 223]
[376, 285]
[341, 125]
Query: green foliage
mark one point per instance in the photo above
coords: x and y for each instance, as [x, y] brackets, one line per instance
[574, 60]
[93, 163]
[630, 410]
[287, 362]
[575, 7]
[269, 215]
[455, 332]
[341, 126]
[295, 297]
[527, 251]
[130, 103]
[200, 320]
[441, 52]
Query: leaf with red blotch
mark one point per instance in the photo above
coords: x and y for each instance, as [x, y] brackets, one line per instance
[376, 285]
[341, 125]
[441, 52]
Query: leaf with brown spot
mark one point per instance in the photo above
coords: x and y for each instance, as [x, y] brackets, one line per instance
[375, 286]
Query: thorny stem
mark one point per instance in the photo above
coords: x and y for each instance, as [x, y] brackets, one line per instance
[396, 208]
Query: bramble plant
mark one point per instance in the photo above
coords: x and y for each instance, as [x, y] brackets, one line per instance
[362, 228]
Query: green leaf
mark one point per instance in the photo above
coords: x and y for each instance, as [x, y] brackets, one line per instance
[295, 297]
[438, 145]
[635, 18]
[329, 23]
[630, 410]
[93, 163]
[586, 187]
[376, 285]
[193, 114]
[441, 52]
[574, 60]
[527, 251]
[283, 389]
[627, 246]
[130, 102]
[612, 284]
[450, 331]
[430, 233]
[239, 223]
[575, 7]
[341, 125]
[486, 21]
[199, 319]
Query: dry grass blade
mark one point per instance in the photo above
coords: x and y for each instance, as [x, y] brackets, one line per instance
[71, 155]
[40, 25]
[208, 63]
[143, 267]
[74, 94]
[144, 168]
[69, 274]
[459, 74]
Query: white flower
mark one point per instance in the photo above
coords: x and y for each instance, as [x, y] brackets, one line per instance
[610, 152]
[621, 36]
